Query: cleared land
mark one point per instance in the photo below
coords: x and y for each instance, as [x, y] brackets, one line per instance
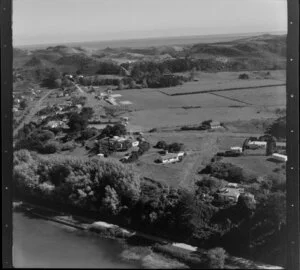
[207, 87]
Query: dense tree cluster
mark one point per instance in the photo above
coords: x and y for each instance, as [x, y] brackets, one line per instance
[278, 128]
[172, 148]
[115, 130]
[108, 68]
[87, 184]
[228, 171]
[114, 190]
[50, 78]
[38, 140]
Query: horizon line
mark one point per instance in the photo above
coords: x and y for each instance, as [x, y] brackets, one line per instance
[282, 32]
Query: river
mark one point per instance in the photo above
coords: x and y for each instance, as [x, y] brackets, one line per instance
[40, 243]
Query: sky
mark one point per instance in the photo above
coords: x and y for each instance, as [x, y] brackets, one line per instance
[64, 21]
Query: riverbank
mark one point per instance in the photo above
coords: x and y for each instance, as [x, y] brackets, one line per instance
[138, 246]
[153, 251]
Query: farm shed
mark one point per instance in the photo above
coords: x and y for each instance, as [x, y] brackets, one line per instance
[279, 157]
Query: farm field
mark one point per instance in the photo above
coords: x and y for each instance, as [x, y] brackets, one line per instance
[198, 87]
[151, 108]
[200, 148]
[179, 117]
[269, 96]
[153, 99]
[258, 165]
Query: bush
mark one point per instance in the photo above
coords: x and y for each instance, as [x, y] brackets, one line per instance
[77, 122]
[216, 258]
[278, 128]
[244, 76]
[175, 147]
[68, 146]
[228, 172]
[51, 147]
[161, 145]
[35, 140]
[88, 133]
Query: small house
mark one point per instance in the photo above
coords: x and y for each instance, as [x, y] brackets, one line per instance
[215, 124]
[258, 143]
[169, 158]
[230, 194]
[237, 149]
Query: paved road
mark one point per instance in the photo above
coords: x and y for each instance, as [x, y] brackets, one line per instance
[32, 112]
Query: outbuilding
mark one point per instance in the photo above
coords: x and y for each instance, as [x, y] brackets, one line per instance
[279, 157]
[214, 124]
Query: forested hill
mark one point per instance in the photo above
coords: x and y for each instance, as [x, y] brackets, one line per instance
[251, 53]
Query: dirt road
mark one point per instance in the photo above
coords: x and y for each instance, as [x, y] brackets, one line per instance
[32, 112]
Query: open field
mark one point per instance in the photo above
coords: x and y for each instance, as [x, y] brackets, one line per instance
[154, 109]
[195, 88]
[257, 165]
[269, 96]
[179, 117]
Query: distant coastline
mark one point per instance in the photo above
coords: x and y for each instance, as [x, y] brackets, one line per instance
[148, 42]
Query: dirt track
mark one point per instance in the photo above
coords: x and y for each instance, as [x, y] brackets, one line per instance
[32, 112]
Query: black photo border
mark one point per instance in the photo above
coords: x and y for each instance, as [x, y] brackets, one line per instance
[292, 167]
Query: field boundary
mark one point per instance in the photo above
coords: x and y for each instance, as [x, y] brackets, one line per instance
[221, 90]
[233, 99]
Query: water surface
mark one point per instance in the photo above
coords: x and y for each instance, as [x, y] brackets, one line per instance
[44, 244]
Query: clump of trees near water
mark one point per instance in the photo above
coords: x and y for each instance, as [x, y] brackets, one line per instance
[112, 191]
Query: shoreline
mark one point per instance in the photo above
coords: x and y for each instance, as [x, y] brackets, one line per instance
[156, 245]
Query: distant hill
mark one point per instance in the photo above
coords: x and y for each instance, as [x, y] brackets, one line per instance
[247, 53]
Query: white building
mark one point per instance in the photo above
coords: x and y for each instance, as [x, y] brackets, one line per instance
[171, 157]
[258, 143]
[279, 157]
[135, 143]
[215, 124]
[236, 149]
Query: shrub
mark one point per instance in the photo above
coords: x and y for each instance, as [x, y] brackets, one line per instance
[278, 128]
[77, 122]
[228, 172]
[175, 147]
[68, 146]
[161, 145]
[244, 76]
[22, 156]
[216, 258]
[51, 147]
[88, 133]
